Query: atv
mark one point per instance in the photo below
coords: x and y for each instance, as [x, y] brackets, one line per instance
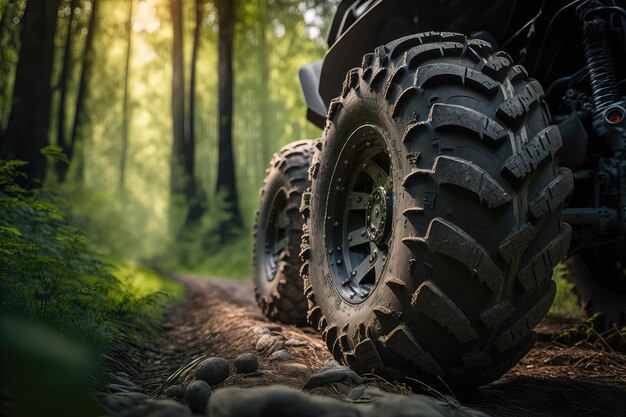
[420, 233]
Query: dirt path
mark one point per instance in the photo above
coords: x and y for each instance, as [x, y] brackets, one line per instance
[216, 321]
[576, 379]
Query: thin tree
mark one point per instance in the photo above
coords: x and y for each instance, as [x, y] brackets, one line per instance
[5, 17]
[66, 70]
[195, 196]
[226, 180]
[125, 100]
[29, 121]
[180, 164]
[8, 43]
[264, 78]
[81, 115]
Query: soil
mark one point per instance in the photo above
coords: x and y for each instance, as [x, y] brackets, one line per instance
[560, 376]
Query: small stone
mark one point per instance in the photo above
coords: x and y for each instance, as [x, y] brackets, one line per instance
[258, 331]
[158, 408]
[213, 370]
[364, 393]
[175, 391]
[269, 343]
[274, 400]
[333, 376]
[247, 363]
[196, 396]
[265, 342]
[281, 355]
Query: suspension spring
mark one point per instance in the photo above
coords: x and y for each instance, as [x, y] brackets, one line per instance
[600, 64]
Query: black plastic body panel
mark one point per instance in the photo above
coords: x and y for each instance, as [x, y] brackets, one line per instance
[549, 48]
[309, 82]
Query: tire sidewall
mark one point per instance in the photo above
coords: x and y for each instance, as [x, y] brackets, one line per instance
[275, 182]
[358, 110]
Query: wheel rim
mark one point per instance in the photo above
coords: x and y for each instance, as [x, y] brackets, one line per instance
[359, 210]
[276, 234]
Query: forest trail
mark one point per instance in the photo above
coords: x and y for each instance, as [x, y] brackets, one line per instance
[216, 320]
[221, 318]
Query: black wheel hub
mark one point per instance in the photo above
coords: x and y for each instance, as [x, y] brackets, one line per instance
[376, 215]
[358, 214]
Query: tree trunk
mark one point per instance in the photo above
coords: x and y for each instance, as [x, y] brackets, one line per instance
[81, 116]
[66, 69]
[5, 17]
[9, 13]
[179, 164]
[195, 197]
[125, 110]
[226, 180]
[27, 131]
[264, 95]
[191, 125]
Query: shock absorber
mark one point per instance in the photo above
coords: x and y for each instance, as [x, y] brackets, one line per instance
[608, 115]
[600, 64]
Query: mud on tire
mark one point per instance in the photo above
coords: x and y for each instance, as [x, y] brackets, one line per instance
[277, 229]
[462, 269]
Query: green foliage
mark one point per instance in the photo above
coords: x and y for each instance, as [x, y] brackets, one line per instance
[566, 302]
[49, 274]
[136, 217]
[55, 153]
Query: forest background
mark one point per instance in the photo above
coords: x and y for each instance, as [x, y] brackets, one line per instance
[116, 104]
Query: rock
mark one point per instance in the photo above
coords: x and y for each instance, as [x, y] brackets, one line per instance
[196, 396]
[120, 401]
[247, 363]
[363, 393]
[281, 355]
[158, 408]
[258, 331]
[281, 401]
[296, 343]
[265, 342]
[268, 343]
[396, 405]
[175, 391]
[274, 401]
[333, 376]
[213, 370]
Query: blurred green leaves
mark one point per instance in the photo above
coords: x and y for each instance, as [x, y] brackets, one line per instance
[62, 305]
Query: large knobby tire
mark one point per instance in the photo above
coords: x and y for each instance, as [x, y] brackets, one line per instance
[600, 281]
[277, 231]
[442, 150]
